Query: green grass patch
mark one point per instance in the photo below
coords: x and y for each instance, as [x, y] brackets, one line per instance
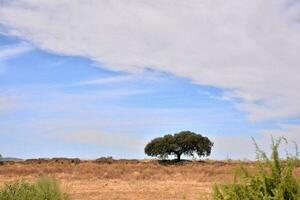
[43, 189]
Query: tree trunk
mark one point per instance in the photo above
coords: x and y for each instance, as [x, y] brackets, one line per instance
[178, 157]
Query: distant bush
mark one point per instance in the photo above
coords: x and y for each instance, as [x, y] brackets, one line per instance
[42, 189]
[105, 160]
[274, 179]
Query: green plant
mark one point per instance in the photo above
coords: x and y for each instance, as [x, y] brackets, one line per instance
[43, 189]
[183, 143]
[274, 179]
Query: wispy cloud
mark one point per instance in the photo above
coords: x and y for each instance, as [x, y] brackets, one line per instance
[248, 47]
[110, 80]
[10, 51]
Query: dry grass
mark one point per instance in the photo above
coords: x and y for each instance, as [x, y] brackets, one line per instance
[132, 180]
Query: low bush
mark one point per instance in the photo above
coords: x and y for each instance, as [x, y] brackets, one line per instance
[274, 179]
[43, 189]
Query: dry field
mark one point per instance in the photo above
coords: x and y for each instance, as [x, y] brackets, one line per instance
[126, 179]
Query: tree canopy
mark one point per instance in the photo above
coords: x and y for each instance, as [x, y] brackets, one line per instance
[183, 143]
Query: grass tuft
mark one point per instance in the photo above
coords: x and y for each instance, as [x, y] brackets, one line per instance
[274, 179]
[43, 189]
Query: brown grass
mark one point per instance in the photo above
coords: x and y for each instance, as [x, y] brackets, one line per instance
[126, 179]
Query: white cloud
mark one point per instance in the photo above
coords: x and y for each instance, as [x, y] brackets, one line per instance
[248, 47]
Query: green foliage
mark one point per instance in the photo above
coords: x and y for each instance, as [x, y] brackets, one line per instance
[274, 179]
[42, 189]
[183, 143]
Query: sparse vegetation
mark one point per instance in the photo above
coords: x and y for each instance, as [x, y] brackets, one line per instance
[274, 179]
[184, 143]
[43, 189]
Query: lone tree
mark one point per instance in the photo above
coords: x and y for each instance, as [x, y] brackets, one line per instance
[182, 143]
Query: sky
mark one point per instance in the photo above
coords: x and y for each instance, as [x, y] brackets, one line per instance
[100, 78]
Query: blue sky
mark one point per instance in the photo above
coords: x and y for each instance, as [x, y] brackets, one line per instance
[102, 86]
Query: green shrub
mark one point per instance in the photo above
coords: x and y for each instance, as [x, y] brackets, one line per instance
[274, 179]
[42, 189]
